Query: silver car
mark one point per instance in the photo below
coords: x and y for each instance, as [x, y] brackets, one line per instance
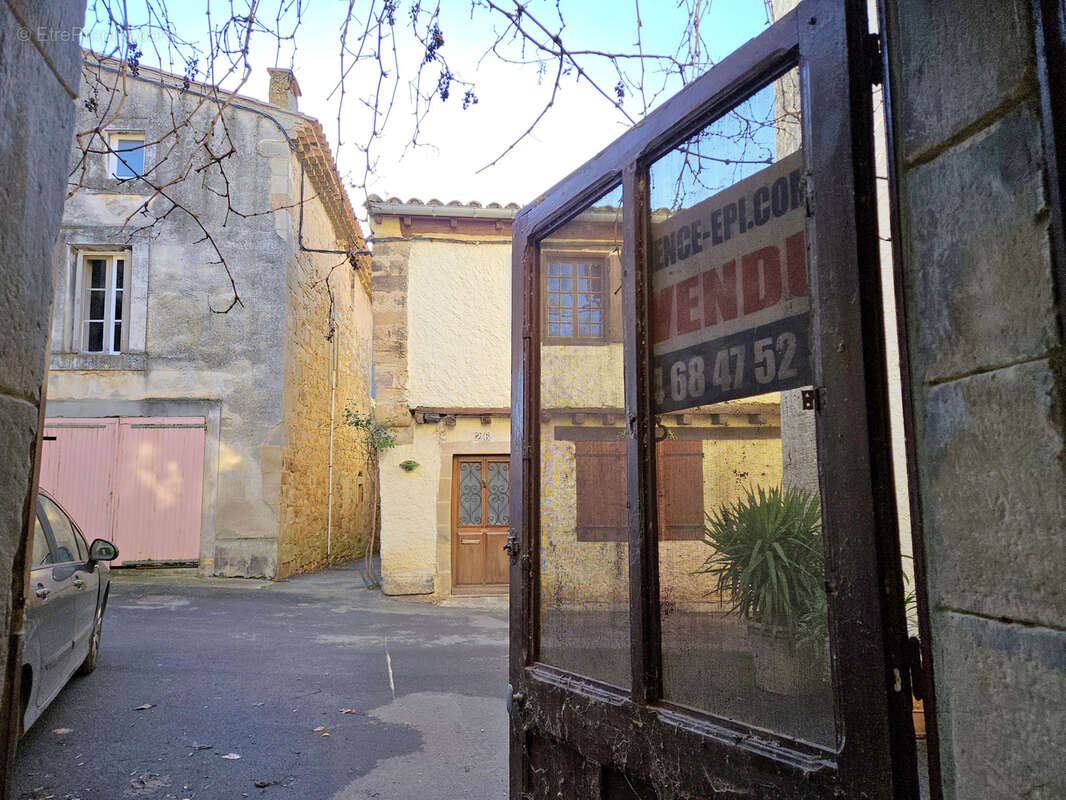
[65, 602]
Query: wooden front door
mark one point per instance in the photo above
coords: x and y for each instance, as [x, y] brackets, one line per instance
[480, 520]
[137, 481]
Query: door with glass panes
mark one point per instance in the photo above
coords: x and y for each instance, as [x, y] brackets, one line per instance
[706, 596]
[480, 516]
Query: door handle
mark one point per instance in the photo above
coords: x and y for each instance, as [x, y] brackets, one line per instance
[41, 592]
[512, 548]
[79, 582]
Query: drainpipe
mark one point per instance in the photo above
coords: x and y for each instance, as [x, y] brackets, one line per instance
[332, 406]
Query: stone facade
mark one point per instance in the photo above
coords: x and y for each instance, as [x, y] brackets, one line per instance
[262, 373]
[442, 332]
[987, 386]
[39, 76]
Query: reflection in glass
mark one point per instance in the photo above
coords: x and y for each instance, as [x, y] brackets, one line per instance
[584, 576]
[741, 557]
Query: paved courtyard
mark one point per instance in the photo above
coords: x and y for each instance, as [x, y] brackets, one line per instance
[309, 688]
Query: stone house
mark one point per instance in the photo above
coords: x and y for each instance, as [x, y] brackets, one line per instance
[978, 187]
[442, 372]
[181, 433]
[442, 343]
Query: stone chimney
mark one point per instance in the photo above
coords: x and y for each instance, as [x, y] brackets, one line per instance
[284, 90]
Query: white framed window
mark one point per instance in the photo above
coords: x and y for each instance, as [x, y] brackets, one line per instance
[127, 157]
[103, 302]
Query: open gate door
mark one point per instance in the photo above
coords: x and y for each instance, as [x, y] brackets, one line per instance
[706, 596]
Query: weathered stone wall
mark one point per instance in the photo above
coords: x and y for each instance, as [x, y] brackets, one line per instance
[38, 84]
[442, 328]
[179, 348]
[389, 288]
[987, 382]
[311, 536]
[180, 351]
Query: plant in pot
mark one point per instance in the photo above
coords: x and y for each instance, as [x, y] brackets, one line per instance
[768, 566]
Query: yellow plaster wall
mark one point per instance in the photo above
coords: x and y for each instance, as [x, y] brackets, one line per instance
[581, 376]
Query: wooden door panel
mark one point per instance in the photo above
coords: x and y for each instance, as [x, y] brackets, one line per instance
[480, 514]
[77, 469]
[496, 564]
[469, 559]
[159, 488]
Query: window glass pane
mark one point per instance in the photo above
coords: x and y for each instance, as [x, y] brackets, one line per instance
[129, 157]
[96, 304]
[83, 549]
[582, 292]
[62, 532]
[41, 554]
[470, 493]
[120, 269]
[744, 625]
[118, 305]
[584, 550]
[96, 337]
[498, 494]
[116, 343]
[98, 270]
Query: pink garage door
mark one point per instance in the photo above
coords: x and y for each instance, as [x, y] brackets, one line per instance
[135, 480]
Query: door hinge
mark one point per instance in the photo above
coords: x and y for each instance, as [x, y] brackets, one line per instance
[809, 398]
[874, 64]
[916, 667]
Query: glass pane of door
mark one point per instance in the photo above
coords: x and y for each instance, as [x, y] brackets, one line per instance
[741, 556]
[470, 493]
[584, 551]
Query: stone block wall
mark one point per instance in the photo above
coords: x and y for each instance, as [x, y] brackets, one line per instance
[310, 535]
[39, 77]
[987, 385]
[389, 286]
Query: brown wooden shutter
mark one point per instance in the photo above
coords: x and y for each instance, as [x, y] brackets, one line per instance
[601, 491]
[612, 297]
[680, 469]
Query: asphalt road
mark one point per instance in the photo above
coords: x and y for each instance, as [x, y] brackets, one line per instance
[411, 696]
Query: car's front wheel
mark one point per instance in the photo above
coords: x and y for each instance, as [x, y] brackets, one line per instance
[89, 664]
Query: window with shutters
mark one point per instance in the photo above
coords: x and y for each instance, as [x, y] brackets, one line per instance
[600, 470]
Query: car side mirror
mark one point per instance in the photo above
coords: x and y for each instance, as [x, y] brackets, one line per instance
[102, 550]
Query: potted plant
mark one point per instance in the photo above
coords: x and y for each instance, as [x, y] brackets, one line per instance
[768, 564]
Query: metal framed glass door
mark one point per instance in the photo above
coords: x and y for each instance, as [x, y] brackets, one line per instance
[706, 594]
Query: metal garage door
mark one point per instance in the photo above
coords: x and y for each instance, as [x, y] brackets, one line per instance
[137, 481]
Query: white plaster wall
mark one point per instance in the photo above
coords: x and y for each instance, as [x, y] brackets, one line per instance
[459, 325]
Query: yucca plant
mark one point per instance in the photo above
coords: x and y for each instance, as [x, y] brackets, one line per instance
[767, 558]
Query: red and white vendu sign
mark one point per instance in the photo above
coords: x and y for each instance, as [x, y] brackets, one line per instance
[731, 304]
